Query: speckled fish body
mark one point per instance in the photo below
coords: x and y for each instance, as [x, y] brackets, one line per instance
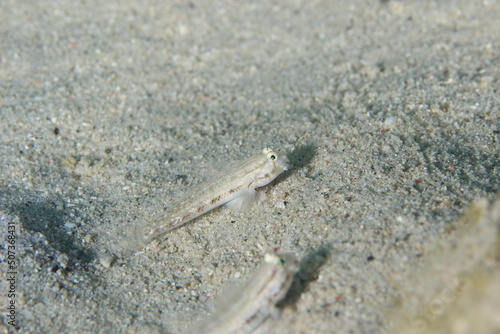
[234, 187]
[256, 300]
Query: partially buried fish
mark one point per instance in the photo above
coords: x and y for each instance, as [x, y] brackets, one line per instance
[252, 308]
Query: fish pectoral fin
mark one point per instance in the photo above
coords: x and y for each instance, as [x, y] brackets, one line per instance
[242, 202]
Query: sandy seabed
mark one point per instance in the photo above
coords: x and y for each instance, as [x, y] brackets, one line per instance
[387, 110]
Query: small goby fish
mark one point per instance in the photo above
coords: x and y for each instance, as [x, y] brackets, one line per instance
[255, 302]
[233, 187]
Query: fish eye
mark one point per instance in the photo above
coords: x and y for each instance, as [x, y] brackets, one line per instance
[281, 261]
[272, 156]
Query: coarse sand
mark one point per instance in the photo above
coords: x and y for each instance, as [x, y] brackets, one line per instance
[388, 111]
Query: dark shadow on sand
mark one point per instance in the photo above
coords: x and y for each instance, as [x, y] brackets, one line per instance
[302, 155]
[309, 269]
[44, 218]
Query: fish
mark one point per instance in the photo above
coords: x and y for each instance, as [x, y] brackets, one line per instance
[233, 187]
[252, 307]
